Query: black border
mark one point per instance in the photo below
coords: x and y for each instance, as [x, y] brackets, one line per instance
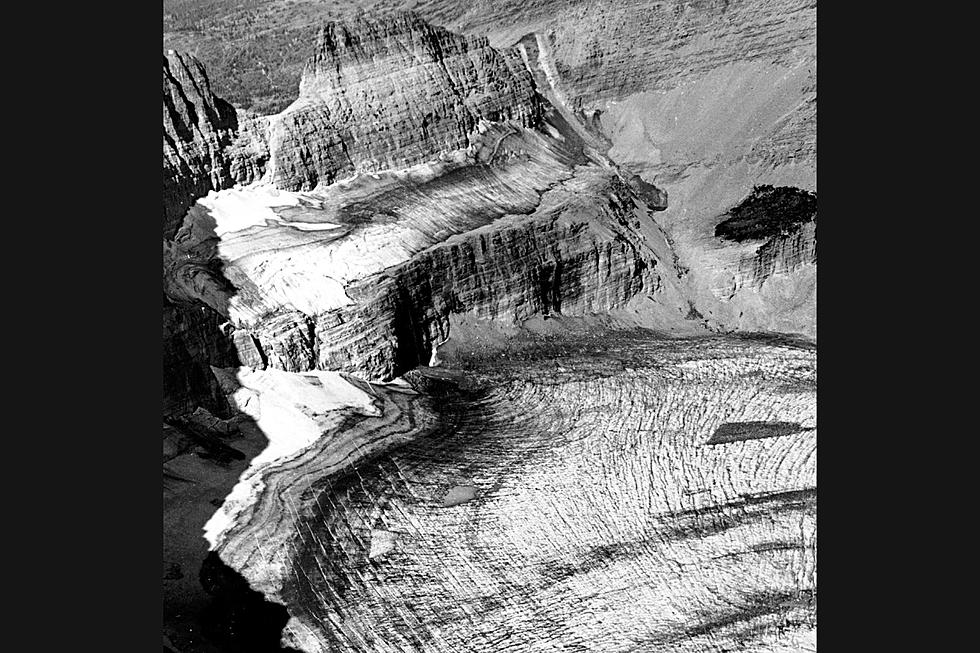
[88, 130]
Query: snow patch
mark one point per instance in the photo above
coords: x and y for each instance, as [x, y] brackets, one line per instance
[237, 209]
[293, 411]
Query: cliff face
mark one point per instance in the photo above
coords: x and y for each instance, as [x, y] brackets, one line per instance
[206, 144]
[376, 94]
[364, 275]
[366, 279]
[548, 263]
[390, 93]
[703, 99]
[783, 253]
[733, 108]
[671, 42]
[785, 220]
[397, 92]
[193, 340]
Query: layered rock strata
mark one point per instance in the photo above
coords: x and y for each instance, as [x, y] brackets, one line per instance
[709, 143]
[387, 92]
[578, 253]
[602, 49]
[784, 221]
[485, 507]
[364, 276]
[671, 43]
[391, 93]
[206, 143]
[193, 340]
[783, 253]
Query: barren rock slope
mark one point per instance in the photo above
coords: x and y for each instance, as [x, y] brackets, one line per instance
[385, 94]
[206, 143]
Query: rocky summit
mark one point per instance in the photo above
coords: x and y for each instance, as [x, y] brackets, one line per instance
[489, 326]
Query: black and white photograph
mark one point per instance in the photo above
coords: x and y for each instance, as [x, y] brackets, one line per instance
[489, 326]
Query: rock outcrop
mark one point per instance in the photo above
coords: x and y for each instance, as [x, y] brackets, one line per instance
[581, 259]
[193, 340]
[391, 93]
[366, 279]
[784, 219]
[670, 43]
[375, 95]
[602, 49]
[783, 253]
[385, 93]
[207, 145]
[733, 107]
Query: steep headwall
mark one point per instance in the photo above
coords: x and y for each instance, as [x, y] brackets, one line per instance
[424, 181]
[375, 94]
[546, 264]
[784, 220]
[783, 253]
[193, 340]
[392, 92]
[206, 144]
[369, 286]
[602, 48]
[732, 108]
[607, 50]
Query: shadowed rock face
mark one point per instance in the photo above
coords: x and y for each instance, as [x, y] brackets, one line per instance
[192, 342]
[206, 144]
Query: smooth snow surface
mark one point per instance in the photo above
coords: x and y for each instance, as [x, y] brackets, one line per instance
[237, 209]
[293, 411]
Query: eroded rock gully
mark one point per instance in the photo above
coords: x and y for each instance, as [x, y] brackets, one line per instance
[438, 373]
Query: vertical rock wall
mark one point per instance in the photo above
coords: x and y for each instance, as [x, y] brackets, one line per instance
[206, 144]
[390, 93]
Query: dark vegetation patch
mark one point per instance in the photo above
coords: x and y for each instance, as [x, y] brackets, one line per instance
[768, 211]
[736, 431]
